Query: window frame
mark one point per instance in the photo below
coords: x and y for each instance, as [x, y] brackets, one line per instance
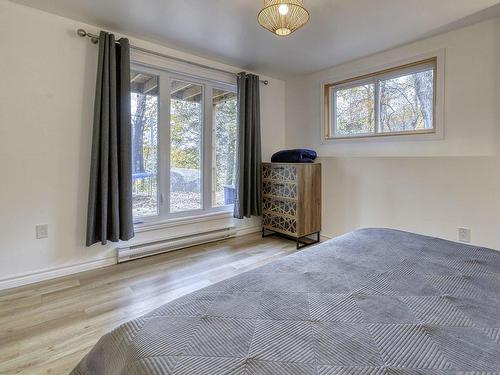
[208, 84]
[329, 91]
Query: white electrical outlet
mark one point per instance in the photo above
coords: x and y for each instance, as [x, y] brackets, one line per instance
[464, 234]
[42, 231]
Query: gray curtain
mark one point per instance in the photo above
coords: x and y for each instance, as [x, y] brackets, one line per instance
[109, 215]
[248, 179]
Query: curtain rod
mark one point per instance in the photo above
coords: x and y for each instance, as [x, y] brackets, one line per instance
[95, 39]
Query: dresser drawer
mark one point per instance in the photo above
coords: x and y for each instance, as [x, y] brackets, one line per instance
[278, 223]
[279, 172]
[280, 189]
[279, 206]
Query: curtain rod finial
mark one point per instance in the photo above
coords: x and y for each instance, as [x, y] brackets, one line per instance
[83, 34]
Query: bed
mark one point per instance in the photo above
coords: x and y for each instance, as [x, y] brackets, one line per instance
[374, 301]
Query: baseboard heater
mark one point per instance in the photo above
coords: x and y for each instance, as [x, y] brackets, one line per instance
[162, 245]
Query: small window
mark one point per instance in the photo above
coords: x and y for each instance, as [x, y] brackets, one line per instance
[396, 101]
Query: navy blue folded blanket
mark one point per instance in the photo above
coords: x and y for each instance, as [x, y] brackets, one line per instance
[299, 155]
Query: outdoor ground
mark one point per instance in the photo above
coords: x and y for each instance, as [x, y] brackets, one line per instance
[146, 205]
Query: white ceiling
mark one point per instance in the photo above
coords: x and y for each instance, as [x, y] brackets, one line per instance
[227, 30]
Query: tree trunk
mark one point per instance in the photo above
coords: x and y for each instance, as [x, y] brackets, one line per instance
[138, 122]
[385, 123]
[423, 89]
[229, 159]
[371, 111]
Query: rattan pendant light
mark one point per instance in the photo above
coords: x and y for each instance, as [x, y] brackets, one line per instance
[283, 17]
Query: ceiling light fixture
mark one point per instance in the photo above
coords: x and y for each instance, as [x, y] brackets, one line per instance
[283, 17]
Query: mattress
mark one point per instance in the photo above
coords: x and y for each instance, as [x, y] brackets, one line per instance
[374, 301]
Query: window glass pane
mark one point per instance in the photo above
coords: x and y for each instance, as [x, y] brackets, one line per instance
[224, 147]
[406, 102]
[144, 118]
[355, 111]
[185, 146]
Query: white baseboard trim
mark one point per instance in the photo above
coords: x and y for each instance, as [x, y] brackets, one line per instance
[53, 273]
[248, 230]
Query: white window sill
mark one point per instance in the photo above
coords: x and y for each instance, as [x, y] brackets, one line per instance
[178, 221]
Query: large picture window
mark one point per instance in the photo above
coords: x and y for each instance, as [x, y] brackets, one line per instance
[395, 101]
[184, 142]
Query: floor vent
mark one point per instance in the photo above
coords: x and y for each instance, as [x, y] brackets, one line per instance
[162, 245]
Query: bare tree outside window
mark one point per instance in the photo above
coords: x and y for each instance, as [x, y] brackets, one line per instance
[185, 146]
[406, 102]
[144, 120]
[226, 132]
[355, 110]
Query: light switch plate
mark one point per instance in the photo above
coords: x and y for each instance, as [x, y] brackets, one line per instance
[464, 234]
[42, 231]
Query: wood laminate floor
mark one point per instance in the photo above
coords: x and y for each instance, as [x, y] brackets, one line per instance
[46, 328]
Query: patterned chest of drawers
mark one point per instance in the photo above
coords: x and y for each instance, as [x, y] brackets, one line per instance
[291, 198]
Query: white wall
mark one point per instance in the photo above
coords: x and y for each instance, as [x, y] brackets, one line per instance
[427, 195]
[46, 104]
[425, 186]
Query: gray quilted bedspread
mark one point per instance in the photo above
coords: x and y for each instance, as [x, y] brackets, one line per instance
[375, 301]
